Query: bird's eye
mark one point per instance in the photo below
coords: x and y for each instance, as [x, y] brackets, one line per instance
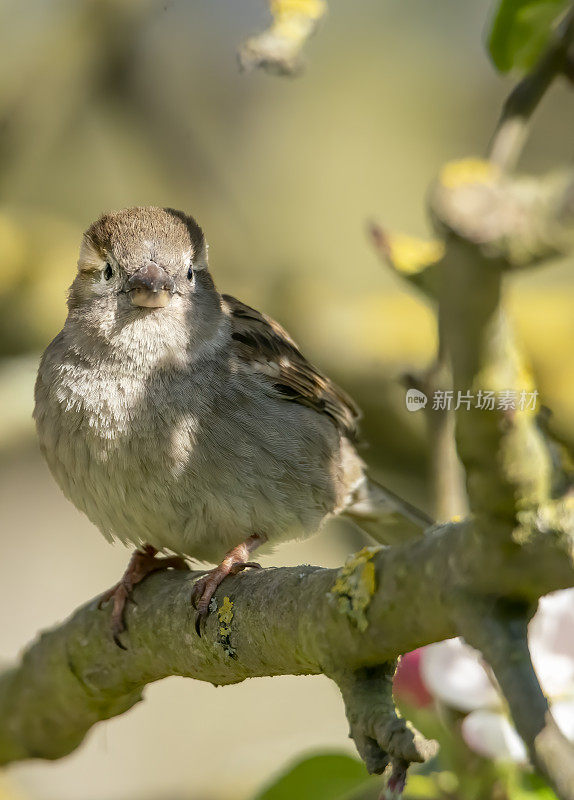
[190, 274]
[108, 271]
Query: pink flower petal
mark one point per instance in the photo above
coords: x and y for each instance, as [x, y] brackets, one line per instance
[490, 734]
[408, 684]
[452, 672]
[551, 640]
[563, 713]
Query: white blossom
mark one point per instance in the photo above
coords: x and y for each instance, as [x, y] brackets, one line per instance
[455, 674]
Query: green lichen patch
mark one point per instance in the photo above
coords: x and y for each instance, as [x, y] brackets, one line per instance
[355, 586]
[225, 616]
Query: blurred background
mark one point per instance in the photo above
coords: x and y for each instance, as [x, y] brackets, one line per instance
[112, 103]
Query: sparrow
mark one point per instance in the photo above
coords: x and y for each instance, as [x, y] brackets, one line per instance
[183, 421]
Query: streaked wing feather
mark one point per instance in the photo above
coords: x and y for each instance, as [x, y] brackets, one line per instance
[268, 348]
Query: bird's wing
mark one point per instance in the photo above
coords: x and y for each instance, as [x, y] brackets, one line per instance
[268, 349]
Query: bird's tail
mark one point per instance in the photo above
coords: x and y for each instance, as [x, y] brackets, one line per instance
[384, 515]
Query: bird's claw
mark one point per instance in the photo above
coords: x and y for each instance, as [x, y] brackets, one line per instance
[204, 588]
[201, 594]
[107, 596]
[118, 641]
[142, 563]
[121, 594]
[201, 622]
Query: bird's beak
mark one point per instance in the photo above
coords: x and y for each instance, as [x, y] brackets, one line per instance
[150, 287]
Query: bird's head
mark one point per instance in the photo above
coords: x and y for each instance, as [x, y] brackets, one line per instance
[143, 269]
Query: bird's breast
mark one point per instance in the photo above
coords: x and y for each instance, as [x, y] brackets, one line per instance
[193, 463]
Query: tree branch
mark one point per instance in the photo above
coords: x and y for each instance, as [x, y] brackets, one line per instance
[500, 633]
[506, 459]
[278, 49]
[300, 621]
[419, 262]
[512, 129]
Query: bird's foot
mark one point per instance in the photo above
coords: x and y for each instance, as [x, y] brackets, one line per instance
[142, 563]
[204, 588]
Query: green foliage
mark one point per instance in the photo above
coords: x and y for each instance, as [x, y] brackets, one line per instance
[334, 776]
[423, 787]
[529, 786]
[520, 31]
[320, 777]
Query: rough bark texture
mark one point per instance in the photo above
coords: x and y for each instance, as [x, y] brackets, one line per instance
[346, 623]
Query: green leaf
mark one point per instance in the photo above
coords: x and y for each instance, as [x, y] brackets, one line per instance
[521, 30]
[320, 777]
[422, 787]
[528, 786]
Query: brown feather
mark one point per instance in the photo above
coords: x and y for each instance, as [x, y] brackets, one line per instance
[267, 347]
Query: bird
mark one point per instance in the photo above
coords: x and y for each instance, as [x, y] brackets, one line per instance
[189, 425]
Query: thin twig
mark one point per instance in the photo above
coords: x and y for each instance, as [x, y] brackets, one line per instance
[512, 129]
[501, 636]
